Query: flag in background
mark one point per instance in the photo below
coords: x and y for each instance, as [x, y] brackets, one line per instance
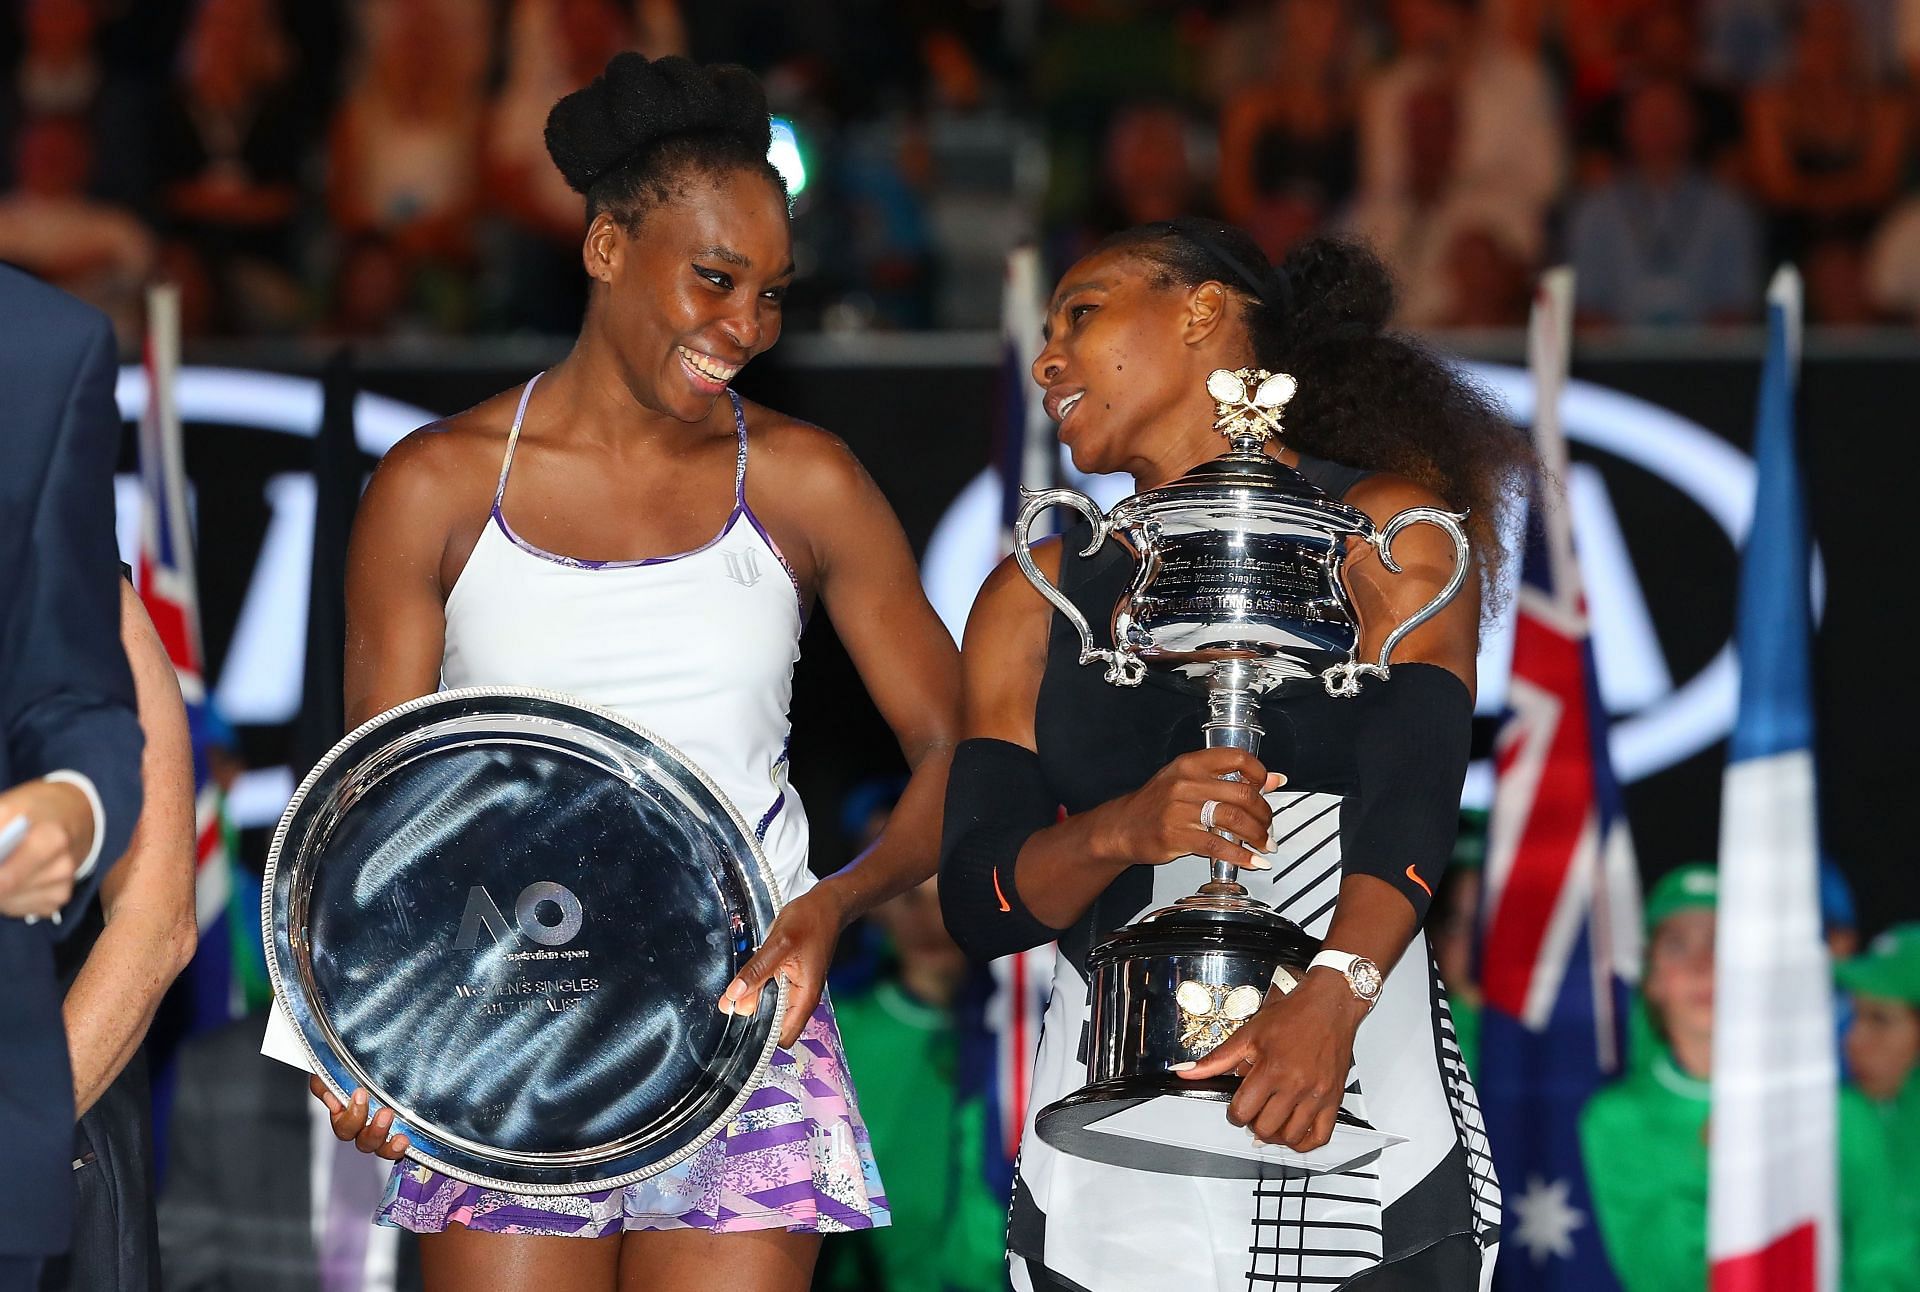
[1773, 1134]
[205, 994]
[1560, 916]
[1028, 458]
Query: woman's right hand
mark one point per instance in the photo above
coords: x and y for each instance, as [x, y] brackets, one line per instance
[1161, 820]
[350, 1122]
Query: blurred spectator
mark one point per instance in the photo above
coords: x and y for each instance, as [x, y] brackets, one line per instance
[553, 48]
[60, 73]
[1836, 278]
[1883, 1047]
[405, 152]
[1287, 144]
[231, 142]
[259, 1195]
[1663, 243]
[49, 226]
[902, 1044]
[1891, 270]
[1148, 167]
[1459, 129]
[1148, 171]
[1644, 1137]
[1662, 44]
[1827, 138]
[1452, 928]
[369, 296]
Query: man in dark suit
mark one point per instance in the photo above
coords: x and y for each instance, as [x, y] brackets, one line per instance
[69, 733]
[260, 1195]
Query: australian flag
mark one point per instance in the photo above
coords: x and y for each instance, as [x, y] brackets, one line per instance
[1560, 915]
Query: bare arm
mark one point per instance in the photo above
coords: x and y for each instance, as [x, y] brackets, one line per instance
[148, 897]
[1062, 868]
[396, 618]
[871, 588]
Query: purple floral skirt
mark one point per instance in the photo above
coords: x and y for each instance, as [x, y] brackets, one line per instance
[796, 1156]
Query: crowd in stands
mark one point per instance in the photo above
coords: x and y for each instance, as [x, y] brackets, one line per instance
[375, 167]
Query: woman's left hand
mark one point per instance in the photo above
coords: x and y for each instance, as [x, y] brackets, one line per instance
[799, 947]
[1293, 1058]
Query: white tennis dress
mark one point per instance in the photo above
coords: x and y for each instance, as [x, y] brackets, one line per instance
[648, 639]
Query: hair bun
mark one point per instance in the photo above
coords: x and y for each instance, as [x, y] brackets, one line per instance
[636, 102]
[1341, 288]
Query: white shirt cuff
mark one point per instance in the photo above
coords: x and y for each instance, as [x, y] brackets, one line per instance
[85, 785]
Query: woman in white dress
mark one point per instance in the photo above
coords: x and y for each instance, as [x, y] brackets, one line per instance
[627, 529]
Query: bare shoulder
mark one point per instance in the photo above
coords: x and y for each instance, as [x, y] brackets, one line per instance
[1008, 608]
[445, 461]
[1383, 495]
[801, 455]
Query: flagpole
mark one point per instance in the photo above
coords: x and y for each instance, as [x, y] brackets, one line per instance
[1773, 1133]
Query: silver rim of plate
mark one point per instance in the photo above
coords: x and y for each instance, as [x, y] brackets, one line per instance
[636, 773]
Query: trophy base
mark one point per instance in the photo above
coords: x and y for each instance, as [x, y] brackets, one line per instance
[1073, 1125]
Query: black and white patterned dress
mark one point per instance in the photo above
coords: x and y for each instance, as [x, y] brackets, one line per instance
[1081, 1224]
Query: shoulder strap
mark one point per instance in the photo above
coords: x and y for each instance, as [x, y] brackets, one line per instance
[1336, 478]
[740, 460]
[513, 440]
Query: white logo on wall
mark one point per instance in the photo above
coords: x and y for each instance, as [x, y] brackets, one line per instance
[1657, 721]
[260, 677]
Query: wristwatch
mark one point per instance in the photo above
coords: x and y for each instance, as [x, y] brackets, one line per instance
[1362, 974]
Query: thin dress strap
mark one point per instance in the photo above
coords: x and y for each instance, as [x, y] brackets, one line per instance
[740, 460]
[513, 440]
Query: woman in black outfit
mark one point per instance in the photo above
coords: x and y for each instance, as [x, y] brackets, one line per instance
[1358, 814]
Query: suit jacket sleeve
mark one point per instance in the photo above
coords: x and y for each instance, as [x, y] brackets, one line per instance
[70, 704]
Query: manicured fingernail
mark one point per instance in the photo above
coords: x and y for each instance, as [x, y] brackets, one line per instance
[1259, 863]
[1275, 780]
[736, 990]
[726, 1006]
[359, 1099]
[1188, 1066]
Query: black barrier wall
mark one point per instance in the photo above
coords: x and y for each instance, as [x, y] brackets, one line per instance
[921, 416]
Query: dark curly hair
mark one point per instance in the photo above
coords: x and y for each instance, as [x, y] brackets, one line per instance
[627, 140]
[1367, 397]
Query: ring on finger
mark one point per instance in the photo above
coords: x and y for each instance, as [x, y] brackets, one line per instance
[1207, 810]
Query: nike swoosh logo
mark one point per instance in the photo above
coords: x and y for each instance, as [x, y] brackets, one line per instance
[996, 890]
[1415, 877]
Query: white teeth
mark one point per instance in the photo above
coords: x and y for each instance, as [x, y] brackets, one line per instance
[1066, 405]
[706, 367]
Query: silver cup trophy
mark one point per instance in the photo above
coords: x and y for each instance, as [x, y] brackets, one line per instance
[1238, 589]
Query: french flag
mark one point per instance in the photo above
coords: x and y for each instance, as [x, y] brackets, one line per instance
[1771, 1214]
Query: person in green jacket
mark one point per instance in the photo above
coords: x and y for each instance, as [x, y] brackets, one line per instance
[1644, 1137]
[1883, 1047]
[949, 1226]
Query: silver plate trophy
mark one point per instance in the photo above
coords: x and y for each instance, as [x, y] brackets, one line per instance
[510, 917]
[1238, 589]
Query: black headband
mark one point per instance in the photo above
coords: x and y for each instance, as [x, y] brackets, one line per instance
[1270, 288]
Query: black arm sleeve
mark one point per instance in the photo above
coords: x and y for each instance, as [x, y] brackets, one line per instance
[997, 798]
[1410, 750]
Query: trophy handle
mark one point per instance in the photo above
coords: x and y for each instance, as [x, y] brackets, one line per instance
[1343, 679]
[1123, 667]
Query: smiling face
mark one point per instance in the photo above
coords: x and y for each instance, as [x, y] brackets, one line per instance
[1126, 363]
[694, 291]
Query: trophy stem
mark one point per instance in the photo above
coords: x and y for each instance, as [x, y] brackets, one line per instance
[1233, 722]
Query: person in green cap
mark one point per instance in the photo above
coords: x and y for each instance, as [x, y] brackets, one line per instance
[1644, 1137]
[1883, 1047]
